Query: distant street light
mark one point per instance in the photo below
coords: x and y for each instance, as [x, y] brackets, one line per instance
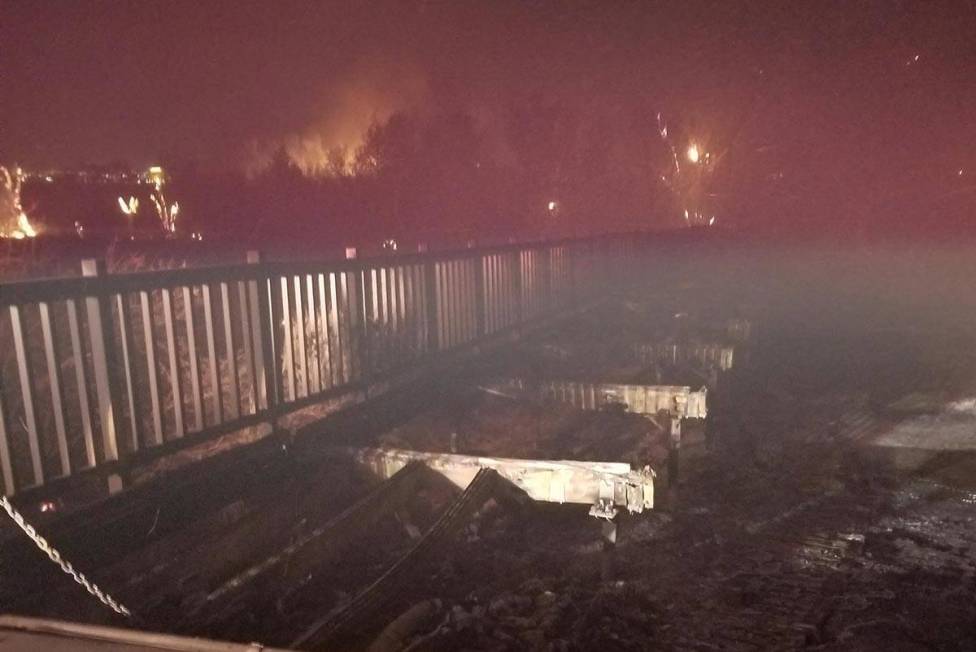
[552, 206]
[693, 153]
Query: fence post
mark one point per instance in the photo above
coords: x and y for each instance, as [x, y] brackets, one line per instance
[99, 325]
[265, 388]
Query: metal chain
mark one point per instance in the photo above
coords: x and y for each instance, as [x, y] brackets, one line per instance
[65, 565]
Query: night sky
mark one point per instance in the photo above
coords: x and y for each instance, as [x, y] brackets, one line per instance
[870, 104]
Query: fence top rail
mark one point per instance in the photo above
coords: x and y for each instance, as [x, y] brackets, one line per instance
[56, 289]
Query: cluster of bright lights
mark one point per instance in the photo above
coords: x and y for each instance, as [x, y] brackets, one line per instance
[14, 222]
[166, 212]
[697, 218]
[129, 207]
[688, 183]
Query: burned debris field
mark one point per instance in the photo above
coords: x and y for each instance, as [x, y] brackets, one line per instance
[720, 459]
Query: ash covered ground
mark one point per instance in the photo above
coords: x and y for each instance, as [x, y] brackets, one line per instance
[827, 503]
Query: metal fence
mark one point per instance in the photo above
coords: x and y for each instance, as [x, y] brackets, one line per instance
[102, 370]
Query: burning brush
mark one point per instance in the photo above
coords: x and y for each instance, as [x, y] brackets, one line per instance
[14, 222]
[166, 212]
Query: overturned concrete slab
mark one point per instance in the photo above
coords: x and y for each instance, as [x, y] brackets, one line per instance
[676, 400]
[703, 355]
[602, 485]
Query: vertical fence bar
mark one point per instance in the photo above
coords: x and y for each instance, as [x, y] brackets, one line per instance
[456, 303]
[344, 308]
[247, 344]
[517, 284]
[484, 289]
[54, 376]
[125, 337]
[571, 261]
[79, 365]
[479, 300]
[299, 360]
[469, 293]
[501, 293]
[364, 343]
[287, 357]
[460, 296]
[264, 394]
[191, 340]
[382, 321]
[548, 284]
[446, 303]
[336, 341]
[450, 322]
[231, 350]
[101, 361]
[402, 331]
[464, 300]
[212, 362]
[419, 308]
[152, 370]
[313, 348]
[354, 308]
[326, 340]
[391, 320]
[438, 319]
[430, 297]
[27, 393]
[174, 366]
[411, 312]
[9, 486]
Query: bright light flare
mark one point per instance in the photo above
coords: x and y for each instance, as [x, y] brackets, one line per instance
[166, 212]
[14, 222]
[693, 154]
[129, 207]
